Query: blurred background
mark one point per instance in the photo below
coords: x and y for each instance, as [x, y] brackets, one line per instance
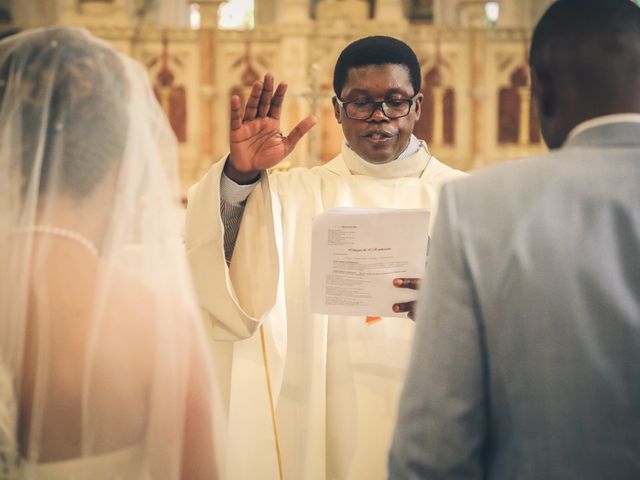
[477, 109]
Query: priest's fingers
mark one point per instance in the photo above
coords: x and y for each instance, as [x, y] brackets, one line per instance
[299, 131]
[265, 97]
[252, 104]
[409, 307]
[276, 102]
[412, 283]
[236, 113]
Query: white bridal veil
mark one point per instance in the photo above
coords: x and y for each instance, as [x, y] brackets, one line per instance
[104, 369]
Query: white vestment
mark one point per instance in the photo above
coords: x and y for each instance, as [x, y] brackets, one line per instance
[335, 380]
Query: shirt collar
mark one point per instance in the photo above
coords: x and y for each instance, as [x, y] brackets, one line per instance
[407, 164]
[603, 120]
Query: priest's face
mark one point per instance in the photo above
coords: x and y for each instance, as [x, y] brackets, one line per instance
[378, 139]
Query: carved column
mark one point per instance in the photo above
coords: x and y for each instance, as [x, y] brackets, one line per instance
[208, 57]
[438, 116]
[294, 47]
[525, 111]
[295, 20]
[478, 94]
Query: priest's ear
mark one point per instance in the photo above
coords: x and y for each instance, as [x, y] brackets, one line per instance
[336, 108]
[417, 105]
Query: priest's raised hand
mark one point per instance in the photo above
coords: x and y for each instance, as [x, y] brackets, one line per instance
[255, 138]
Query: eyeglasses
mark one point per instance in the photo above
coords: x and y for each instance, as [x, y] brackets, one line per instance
[392, 108]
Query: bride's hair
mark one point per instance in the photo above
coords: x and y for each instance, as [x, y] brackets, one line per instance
[74, 92]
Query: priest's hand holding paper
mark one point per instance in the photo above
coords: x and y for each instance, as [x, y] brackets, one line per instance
[409, 307]
[255, 138]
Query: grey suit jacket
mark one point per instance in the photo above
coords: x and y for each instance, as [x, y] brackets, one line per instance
[526, 361]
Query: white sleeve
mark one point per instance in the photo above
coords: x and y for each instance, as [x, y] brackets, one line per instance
[236, 297]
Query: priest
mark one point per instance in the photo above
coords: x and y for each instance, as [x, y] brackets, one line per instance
[310, 396]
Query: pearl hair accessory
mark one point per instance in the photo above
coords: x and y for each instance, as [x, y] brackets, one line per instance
[62, 232]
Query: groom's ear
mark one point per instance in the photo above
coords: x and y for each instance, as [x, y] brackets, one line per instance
[542, 89]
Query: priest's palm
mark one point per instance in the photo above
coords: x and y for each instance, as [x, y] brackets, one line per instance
[255, 138]
[258, 144]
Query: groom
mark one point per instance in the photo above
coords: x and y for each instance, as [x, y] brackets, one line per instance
[527, 356]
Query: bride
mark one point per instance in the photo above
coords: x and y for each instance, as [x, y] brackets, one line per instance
[104, 369]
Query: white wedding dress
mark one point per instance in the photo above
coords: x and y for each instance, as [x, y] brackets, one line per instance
[123, 464]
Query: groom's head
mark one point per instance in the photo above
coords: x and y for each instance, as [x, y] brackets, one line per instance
[585, 63]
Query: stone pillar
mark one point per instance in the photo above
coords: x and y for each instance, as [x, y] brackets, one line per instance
[438, 116]
[478, 39]
[314, 139]
[446, 13]
[208, 94]
[471, 14]
[294, 48]
[478, 95]
[525, 111]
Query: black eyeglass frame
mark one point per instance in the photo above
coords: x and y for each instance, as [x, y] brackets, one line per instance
[378, 105]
